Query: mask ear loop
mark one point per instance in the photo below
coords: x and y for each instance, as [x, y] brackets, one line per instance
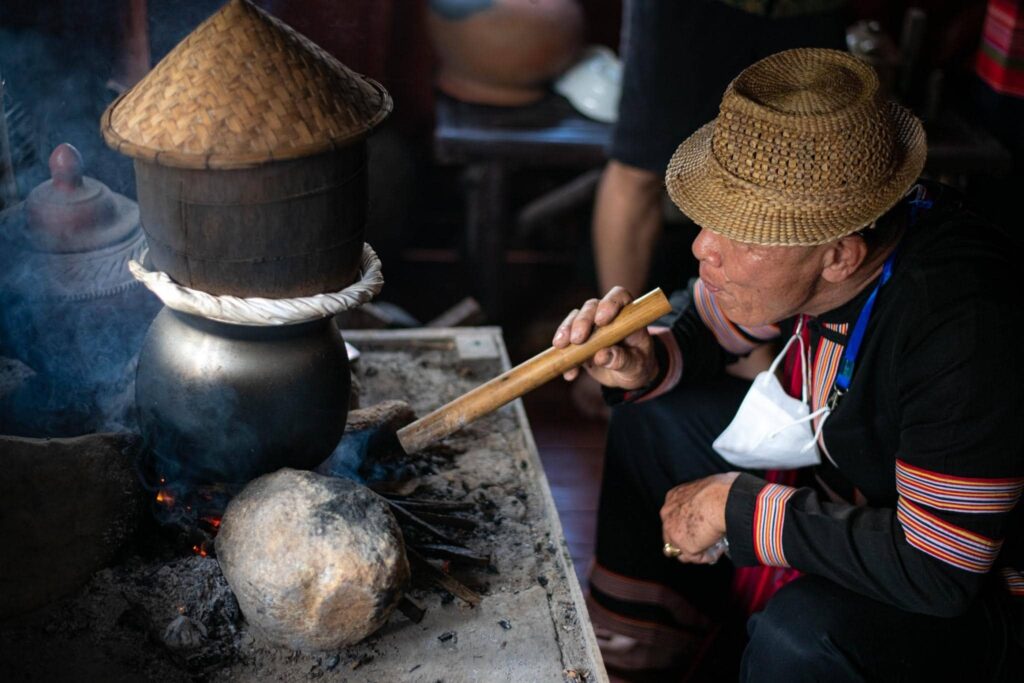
[804, 362]
[825, 411]
[805, 418]
[797, 337]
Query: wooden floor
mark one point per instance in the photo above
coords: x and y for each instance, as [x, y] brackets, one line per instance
[572, 450]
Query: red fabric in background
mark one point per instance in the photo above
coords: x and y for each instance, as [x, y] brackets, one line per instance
[1000, 61]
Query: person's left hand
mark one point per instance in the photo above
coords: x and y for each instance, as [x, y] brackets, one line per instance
[693, 517]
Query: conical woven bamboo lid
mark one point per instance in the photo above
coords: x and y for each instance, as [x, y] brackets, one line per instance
[241, 90]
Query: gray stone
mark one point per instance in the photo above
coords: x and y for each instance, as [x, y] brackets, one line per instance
[316, 562]
[66, 507]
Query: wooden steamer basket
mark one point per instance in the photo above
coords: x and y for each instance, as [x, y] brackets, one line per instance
[281, 230]
[250, 158]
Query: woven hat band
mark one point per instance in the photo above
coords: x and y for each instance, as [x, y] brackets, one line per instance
[782, 154]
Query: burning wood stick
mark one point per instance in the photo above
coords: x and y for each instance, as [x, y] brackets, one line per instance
[447, 520]
[421, 568]
[451, 552]
[431, 504]
[404, 515]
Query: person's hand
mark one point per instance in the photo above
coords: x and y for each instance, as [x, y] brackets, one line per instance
[693, 518]
[630, 364]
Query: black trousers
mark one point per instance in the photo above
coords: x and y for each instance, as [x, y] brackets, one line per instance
[813, 629]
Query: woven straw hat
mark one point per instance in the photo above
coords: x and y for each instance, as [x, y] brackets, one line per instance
[239, 91]
[803, 151]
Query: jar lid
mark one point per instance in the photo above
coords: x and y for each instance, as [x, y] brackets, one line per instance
[241, 90]
[72, 213]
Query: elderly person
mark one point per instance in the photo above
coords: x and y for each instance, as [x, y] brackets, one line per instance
[898, 319]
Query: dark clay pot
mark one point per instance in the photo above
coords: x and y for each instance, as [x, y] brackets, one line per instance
[222, 403]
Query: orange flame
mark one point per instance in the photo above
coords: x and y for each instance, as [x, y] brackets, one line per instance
[199, 550]
[212, 521]
[165, 497]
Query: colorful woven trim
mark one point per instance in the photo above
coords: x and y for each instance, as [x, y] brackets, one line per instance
[826, 365]
[1000, 59]
[769, 518]
[733, 338]
[936, 537]
[957, 494]
[1014, 581]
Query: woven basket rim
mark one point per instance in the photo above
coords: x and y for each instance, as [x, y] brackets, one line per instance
[745, 212]
[220, 161]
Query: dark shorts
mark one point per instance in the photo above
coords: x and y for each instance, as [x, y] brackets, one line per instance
[679, 56]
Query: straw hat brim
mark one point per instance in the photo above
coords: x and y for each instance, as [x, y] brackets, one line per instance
[742, 211]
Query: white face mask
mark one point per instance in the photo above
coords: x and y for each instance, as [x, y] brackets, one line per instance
[771, 429]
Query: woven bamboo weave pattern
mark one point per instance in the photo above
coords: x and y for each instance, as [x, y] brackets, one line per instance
[241, 90]
[803, 151]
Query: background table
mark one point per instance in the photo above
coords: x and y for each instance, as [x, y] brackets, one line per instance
[494, 142]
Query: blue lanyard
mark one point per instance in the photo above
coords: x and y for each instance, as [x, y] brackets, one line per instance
[845, 374]
[857, 336]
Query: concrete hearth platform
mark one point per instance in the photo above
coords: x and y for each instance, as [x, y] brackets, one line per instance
[532, 623]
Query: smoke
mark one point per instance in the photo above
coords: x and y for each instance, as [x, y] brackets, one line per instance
[196, 450]
[197, 432]
[56, 58]
[60, 88]
[83, 354]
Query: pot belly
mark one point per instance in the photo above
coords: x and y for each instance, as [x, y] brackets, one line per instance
[227, 403]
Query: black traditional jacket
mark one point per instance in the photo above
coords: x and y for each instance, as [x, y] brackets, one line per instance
[920, 508]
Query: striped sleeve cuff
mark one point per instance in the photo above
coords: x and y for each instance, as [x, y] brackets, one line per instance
[944, 541]
[1014, 581]
[755, 514]
[769, 519]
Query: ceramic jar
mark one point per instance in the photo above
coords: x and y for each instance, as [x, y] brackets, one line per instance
[503, 52]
